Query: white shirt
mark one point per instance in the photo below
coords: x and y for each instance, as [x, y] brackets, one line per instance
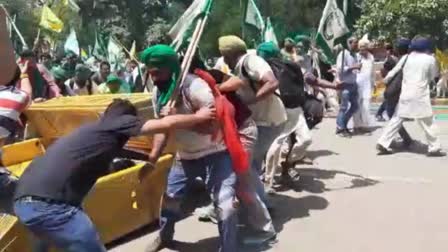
[13, 102]
[366, 76]
[419, 71]
[268, 112]
[77, 90]
[190, 144]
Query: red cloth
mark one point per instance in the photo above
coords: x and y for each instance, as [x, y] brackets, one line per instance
[225, 114]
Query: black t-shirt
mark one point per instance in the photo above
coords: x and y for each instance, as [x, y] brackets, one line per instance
[71, 166]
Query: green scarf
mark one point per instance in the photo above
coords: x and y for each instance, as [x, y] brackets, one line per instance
[268, 50]
[163, 56]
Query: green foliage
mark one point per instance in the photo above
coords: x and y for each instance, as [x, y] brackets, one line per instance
[395, 18]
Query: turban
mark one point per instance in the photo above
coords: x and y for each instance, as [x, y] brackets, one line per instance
[268, 50]
[59, 73]
[403, 43]
[113, 78]
[364, 44]
[302, 38]
[82, 72]
[231, 44]
[421, 44]
[163, 56]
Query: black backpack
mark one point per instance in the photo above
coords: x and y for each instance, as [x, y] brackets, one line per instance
[291, 83]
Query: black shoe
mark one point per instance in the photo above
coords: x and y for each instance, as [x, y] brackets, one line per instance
[438, 153]
[158, 244]
[383, 150]
[380, 118]
[408, 144]
[343, 133]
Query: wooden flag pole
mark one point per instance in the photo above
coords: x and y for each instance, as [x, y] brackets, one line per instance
[15, 27]
[186, 63]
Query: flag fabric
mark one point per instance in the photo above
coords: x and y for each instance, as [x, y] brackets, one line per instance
[252, 16]
[101, 43]
[71, 44]
[114, 54]
[332, 30]
[50, 21]
[84, 54]
[182, 31]
[269, 33]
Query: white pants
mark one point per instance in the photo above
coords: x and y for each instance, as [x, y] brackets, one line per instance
[442, 87]
[361, 118]
[282, 146]
[427, 124]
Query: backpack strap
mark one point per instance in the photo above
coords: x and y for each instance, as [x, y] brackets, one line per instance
[246, 74]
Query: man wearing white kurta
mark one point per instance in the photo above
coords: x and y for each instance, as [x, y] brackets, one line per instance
[365, 81]
[415, 103]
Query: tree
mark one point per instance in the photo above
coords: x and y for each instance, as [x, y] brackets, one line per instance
[407, 18]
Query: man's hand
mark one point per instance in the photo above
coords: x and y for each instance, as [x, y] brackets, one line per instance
[39, 100]
[167, 110]
[145, 170]
[338, 84]
[206, 113]
[23, 66]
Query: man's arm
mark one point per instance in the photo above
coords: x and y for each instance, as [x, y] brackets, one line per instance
[54, 90]
[7, 63]
[230, 85]
[268, 86]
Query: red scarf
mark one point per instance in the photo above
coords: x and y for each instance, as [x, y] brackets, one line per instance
[225, 114]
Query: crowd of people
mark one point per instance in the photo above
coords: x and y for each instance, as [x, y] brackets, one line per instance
[237, 126]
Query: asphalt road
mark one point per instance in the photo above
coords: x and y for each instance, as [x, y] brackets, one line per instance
[349, 200]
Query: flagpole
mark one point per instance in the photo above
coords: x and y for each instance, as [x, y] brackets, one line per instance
[243, 16]
[25, 46]
[186, 63]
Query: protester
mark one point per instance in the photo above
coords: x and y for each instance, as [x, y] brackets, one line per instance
[442, 84]
[304, 59]
[389, 63]
[365, 80]
[54, 186]
[46, 60]
[419, 70]
[198, 154]
[114, 85]
[133, 77]
[258, 91]
[81, 83]
[347, 69]
[69, 63]
[41, 79]
[60, 77]
[101, 76]
[15, 98]
[391, 101]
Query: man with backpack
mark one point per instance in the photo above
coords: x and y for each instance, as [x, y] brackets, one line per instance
[257, 90]
[81, 83]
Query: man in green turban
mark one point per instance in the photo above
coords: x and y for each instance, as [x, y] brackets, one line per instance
[199, 154]
[268, 50]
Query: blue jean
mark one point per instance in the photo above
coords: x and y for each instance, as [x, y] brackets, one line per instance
[216, 170]
[266, 136]
[66, 227]
[349, 105]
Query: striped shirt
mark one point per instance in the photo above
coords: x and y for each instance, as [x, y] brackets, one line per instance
[13, 102]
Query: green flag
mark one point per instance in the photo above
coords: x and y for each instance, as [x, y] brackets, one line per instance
[269, 33]
[252, 16]
[71, 44]
[100, 48]
[332, 30]
[182, 31]
[114, 54]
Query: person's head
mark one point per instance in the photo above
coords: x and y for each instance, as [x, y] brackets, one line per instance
[268, 50]
[113, 83]
[71, 57]
[402, 46]
[104, 69]
[232, 48]
[120, 107]
[304, 42]
[132, 64]
[352, 44]
[422, 44]
[389, 49]
[82, 74]
[59, 74]
[364, 46]
[289, 44]
[163, 65]
[45, 59]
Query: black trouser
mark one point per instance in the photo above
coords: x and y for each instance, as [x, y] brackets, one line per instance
[8, 183]
[381, 109]
[390, 109]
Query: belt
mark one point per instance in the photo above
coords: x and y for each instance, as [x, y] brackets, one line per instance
[42, 199]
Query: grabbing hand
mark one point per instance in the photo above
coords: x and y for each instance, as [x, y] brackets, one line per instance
[206, 113]
[144, 171]
[23, 67]
[167, 110]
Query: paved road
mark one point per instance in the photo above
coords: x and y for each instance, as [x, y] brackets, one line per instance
[349, 200]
